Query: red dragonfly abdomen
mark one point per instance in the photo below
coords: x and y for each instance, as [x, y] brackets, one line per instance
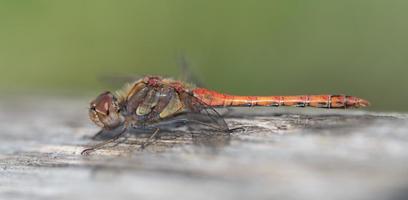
[213, 98]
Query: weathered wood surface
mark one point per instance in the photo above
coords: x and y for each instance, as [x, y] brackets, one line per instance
[282, 154]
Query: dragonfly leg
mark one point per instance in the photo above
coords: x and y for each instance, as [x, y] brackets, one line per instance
[97, 134]
[121, 141]
[87, 151]
[150, 139]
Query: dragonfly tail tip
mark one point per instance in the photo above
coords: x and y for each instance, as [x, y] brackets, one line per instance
[363, 103]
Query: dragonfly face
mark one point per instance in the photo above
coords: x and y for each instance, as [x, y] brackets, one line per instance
[104, 111]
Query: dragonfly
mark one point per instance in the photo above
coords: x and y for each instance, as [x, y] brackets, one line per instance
[154, 99]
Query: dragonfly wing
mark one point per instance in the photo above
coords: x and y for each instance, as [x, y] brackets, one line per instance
[200, 112]
[186, 73]
[202, 122]
[205, 124]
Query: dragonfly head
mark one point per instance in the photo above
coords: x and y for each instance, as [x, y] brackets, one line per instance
[105, 112]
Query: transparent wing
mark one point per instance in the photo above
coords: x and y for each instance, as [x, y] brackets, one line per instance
[205, 124]
[201, 113]
[186, 72]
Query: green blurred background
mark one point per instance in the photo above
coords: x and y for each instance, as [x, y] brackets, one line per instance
[271, 47]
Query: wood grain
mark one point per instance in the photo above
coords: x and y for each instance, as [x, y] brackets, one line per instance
[280, 154]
